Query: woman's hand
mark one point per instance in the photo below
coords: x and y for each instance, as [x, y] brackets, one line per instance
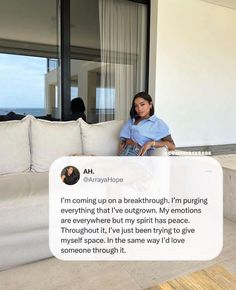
[145, 148]
[155, 144]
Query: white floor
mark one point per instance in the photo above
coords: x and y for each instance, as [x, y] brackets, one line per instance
[55, 274]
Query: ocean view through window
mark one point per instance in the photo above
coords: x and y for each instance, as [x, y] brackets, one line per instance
[22, 84]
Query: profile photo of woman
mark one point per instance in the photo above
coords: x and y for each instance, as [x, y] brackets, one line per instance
[70, 175]
[143, 132]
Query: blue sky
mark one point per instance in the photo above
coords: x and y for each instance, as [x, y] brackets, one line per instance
[22, 81]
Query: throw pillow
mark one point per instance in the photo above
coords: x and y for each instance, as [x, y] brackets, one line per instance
[101, 139]
[51, 140]
[14, 146]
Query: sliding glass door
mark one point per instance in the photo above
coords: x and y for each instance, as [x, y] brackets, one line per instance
[53, 51]
[108, 55]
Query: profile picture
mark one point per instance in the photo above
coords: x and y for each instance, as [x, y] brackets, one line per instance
[70, 175]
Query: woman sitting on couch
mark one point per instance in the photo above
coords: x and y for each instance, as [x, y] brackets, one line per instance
[143, 132]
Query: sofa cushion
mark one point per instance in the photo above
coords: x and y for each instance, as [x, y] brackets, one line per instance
[24, 218]
[14, 146]
[51, 140]
[101, 139]
[23, 202]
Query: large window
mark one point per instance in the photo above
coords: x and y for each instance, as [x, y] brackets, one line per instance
[52, 51]
[28, 53]
[22, 84]
[105, 102]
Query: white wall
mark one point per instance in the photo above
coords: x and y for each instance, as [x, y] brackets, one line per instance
[153, 49]
[196, 71]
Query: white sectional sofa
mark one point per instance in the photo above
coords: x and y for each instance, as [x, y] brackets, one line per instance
[27, 149]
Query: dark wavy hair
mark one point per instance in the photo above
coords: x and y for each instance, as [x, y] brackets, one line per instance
[67, 168]
[145, 96]
[77, 105]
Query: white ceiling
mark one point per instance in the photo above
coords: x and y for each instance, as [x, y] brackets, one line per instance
[36, 21]
[225, 3]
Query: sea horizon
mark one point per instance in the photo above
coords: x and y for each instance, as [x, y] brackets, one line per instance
[24, 111]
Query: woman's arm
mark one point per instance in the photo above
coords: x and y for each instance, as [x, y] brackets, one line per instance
[158, 144]
[121, 145]
[169, 142]
[166, 141]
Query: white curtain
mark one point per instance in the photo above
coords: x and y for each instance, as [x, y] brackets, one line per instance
[123, 26]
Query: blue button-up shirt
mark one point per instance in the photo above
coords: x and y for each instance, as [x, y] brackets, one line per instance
[146, 130]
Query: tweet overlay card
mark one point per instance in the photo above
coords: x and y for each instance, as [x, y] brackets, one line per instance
[136, 208]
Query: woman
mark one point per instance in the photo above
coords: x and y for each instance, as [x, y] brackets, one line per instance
[143, 132]
[71, 175]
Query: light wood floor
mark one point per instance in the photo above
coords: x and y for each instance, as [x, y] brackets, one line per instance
[215, 277]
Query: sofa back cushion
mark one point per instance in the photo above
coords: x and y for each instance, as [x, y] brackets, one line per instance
[101, 139]
[14, 146]
[51, 140]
